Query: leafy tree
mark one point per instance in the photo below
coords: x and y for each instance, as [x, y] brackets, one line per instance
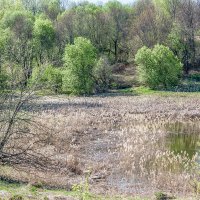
[79, 59]
[19, 48]
[188, 22]
[176, 41]
[51, 8]
[159, 67]
[31, 5]
[3, 41]
[65, 33]
[44, 34]
[48, 77]
[145, 27]
[4, 37]
[169, 7]
[118, 19]
[20, 23]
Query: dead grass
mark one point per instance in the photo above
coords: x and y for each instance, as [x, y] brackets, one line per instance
[119, 139]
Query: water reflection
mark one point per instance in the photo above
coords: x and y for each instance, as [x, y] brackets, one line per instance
[184, 137]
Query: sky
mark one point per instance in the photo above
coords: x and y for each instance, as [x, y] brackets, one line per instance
[104, 1]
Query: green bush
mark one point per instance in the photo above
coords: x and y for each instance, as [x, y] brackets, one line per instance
[163, 196]
[49, 77]
[194, 77]
[3, 81]
[79, 60]
[16, 197]
[158, 68]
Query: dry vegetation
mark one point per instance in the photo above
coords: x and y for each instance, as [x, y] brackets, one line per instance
[121, 140]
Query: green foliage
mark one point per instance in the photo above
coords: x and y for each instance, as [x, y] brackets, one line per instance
[175, 40]
[3, 81]
[83, 190]
[16, 197]
[34, 32]
[103, 75]
[19, 22]
[34, 190]
[4, 37]
[79, 59]
[10, 5]
[167, 7]
[44, 32]
[194, 77]
[161, 196]
[48, 77]
[158, 68]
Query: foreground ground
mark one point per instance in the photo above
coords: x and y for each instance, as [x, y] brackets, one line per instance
[115, 144]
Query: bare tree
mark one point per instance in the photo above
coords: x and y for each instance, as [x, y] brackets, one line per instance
[22, 136]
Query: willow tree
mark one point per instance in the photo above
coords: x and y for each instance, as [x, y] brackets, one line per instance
[79, 60]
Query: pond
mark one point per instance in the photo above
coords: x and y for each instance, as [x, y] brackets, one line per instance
[184, 138]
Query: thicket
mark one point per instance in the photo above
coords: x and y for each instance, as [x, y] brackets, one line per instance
[35, 34]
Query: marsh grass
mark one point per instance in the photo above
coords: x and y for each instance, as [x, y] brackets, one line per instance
[122, 139]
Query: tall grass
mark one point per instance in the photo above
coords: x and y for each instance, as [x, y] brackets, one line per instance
[122, 140]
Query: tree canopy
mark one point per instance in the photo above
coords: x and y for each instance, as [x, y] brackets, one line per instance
[36, 33]
[79, 59]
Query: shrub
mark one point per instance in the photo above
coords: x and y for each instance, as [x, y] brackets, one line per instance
[16, 197]
[160, 196]
[49, 77]
[3, 81]
[37, 185]
[80, 60]
[194, 77]
[102, 75]
[158, 68]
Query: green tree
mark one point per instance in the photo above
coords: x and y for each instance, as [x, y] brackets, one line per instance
[159, 67]
[44, 34]
[19, 48]
[20, 23]
[176, 41]
[48, 77]
[4, 37]
[80, 60]
[51, 8]
[169, 7]
[119, 19]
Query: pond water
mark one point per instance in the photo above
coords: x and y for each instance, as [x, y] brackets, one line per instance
[184, 137]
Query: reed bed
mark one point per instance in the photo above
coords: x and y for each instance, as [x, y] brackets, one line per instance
[121, 141]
